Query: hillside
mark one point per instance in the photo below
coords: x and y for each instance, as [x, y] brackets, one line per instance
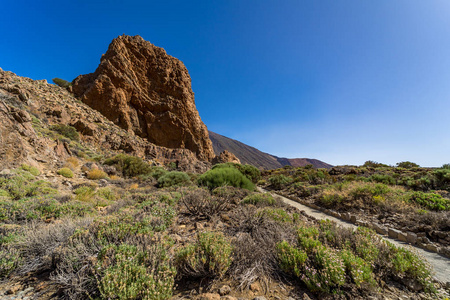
[252, 156]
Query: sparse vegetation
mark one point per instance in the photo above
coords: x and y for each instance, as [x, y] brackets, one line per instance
[66, 131]
[61, 82]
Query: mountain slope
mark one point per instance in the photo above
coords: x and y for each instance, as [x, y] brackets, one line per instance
[252, 156]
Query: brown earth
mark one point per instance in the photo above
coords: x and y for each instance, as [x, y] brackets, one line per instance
[141, 88]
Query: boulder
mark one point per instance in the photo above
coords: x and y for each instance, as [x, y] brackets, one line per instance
[225, 157]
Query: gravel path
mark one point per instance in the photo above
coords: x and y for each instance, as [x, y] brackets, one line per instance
[440, 264]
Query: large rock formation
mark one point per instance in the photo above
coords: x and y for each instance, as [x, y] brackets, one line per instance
[29, 109]
[141, 88]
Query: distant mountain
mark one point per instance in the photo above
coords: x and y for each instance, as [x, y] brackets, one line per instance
[252, 156]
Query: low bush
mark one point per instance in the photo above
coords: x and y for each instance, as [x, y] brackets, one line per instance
[278, 215]
[65, 172]
[126, 272]
[130, 166]
[209, 256]
[278, 181]
[84, 193]
[198, 202]
[61, 82]
[225, 176]
[33, 170]
[259, 199]
[291, 259]
[430, 201]
[407, 165]
[96, 174]
[66, 131]
[359, 270]
[173, 178]
[23, 185]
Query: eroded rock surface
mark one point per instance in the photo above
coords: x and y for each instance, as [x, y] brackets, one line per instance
[141, 88]
[29, 108]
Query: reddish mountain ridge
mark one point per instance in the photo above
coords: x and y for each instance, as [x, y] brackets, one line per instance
[250, 155]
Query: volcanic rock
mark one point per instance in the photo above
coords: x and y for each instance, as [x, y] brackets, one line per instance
[225, 157]
[141, 88]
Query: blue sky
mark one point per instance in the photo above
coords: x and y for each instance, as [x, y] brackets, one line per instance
[341, 81]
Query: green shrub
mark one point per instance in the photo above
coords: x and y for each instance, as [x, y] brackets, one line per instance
[9, 260]
[157, 172]
[209, 256]
[406, 263]
[446, 166]
[225, 176]
[276, 214]
[61, 82]
[278, 181]
[366, 245]
[131, 273]
[407, 165]
[429, 200]
[331, 271]
[383, 178]
[130, 166]
[308, 238]
[67, 131]
[173, 178]
[291, 259]
[259, 199]
[33, 170]
[21, 185]
[84, 193]
[65, 172]
[106, 193]
[359, 270]
[251, 172]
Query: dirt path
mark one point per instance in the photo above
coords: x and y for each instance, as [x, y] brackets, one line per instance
[440, 264]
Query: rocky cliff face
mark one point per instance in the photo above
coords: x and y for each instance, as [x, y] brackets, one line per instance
[141, 88]
[29, 109]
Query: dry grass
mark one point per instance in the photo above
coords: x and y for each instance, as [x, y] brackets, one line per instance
[96, 174]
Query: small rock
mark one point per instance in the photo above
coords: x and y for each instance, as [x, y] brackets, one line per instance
[380, 229]
[411, 238]
[260, 298]
[224, 290]
[412, 284]
[432, 247]
[402, 236]
[393, 233]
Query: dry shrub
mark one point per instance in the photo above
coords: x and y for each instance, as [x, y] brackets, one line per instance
[200, 203]
[71, 163]
[40, 243]
[96, 174]
[255, 245]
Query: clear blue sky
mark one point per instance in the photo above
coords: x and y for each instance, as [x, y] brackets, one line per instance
[341, 81]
